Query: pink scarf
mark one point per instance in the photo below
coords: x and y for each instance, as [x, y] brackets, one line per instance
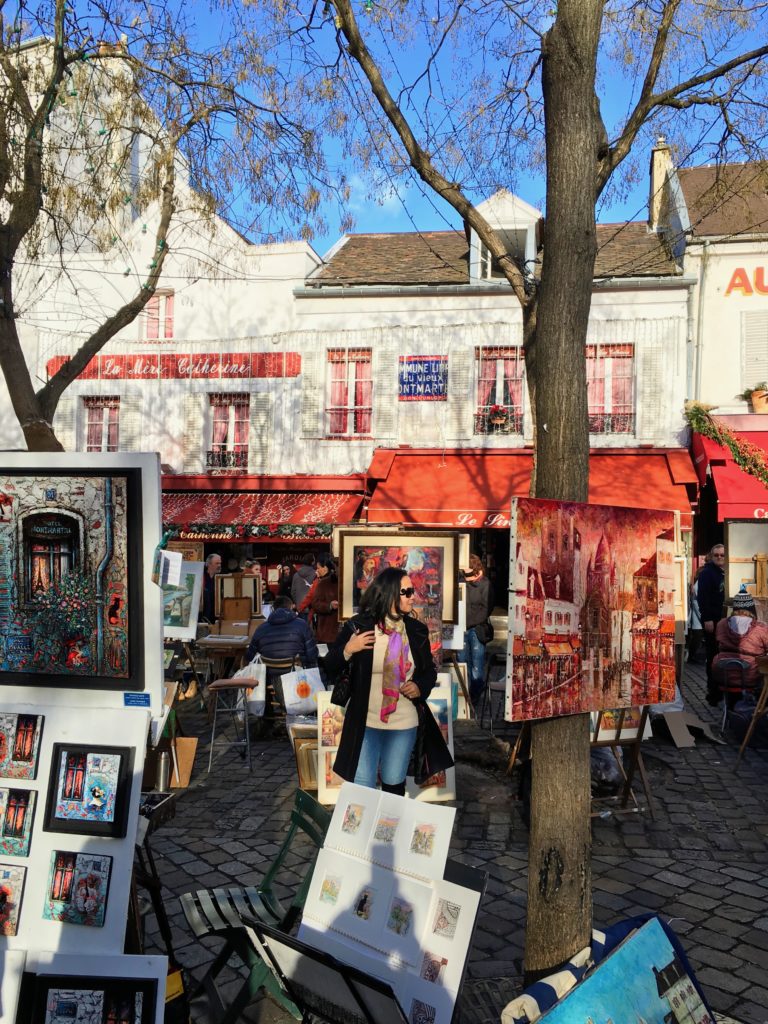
[397, 664]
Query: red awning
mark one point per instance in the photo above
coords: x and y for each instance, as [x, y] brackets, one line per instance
[269, 501]
[473, 489]
[739, 495]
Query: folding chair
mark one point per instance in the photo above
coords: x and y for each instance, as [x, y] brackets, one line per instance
[223, 913]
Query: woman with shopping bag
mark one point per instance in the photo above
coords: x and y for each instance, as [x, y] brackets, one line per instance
[384, 659]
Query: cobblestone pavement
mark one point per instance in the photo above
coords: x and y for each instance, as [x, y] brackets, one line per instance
[701, 862]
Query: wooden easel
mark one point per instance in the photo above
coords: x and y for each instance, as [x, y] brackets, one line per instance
[636, 759]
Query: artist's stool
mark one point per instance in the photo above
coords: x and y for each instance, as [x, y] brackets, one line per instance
[229, 700]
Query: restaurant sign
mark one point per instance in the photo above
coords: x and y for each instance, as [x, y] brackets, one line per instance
[423, 379]
[171, 366]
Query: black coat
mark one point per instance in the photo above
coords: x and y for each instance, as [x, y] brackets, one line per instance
[360, 668]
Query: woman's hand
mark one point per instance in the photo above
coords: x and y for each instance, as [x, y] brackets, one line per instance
[410, 689]
[359, 642]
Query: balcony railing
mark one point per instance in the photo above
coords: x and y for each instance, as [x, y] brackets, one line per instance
[512, 424]
[611, 423]
[223, 461]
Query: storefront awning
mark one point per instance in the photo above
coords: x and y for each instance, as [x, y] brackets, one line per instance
[473, 489]
[739, 495]
[250, 507]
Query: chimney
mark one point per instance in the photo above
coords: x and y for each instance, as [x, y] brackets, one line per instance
[661, 162]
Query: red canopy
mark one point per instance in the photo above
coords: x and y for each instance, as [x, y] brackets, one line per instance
[739, 495]
[472, 489]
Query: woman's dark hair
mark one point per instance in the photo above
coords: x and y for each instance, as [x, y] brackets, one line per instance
[381, 594]
[326, 561]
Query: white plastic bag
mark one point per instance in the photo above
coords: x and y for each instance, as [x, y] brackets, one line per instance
[256, 696]
[300, 689]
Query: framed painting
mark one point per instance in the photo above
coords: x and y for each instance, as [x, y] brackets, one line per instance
[77, 888]
[17, 812]
[11, 893]
[67, 998]
[71, 548]
[89, 790]
[181, 603]
[305, 749]
[19, 745]
[591, 609]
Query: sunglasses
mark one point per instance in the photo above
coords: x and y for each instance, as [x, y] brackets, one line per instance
[407, 591]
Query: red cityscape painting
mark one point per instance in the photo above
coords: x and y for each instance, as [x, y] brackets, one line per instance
[591, 609]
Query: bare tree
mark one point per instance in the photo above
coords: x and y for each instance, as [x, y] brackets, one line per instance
[467, 95]
[108, 113]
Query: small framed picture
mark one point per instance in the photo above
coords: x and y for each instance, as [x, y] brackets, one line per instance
[50, 998]
[89, 790]
[17, 809]
[11, 891]
[305, 749]
[19, 745]
[77, 888]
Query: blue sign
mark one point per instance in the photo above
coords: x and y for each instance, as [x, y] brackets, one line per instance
[423, 379]
[136, 700]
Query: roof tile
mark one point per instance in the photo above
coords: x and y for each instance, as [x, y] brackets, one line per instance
[726, 199]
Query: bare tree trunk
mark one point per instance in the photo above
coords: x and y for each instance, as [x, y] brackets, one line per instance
[559, 879]
[38, 432]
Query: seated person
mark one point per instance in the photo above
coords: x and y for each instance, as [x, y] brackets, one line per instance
[283, 636]
[742, 636]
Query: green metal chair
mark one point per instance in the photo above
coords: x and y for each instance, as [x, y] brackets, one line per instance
[223, 913]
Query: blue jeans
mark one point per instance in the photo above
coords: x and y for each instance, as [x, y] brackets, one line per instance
[473, 656]
[385, 750]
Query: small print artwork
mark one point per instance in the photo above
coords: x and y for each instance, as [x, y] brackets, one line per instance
[17, 808]
[62, 999]
[423, 840]
[11, 889]
[446, 919]
[400, 917]
[330, 889]
[386, 827]
[422, 1013]
[19, 745]
[331, 724]
[89, 790]
[432, 967]
[364, 903]
[353, 819]
[77, 888]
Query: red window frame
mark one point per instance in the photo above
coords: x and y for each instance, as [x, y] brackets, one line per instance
[102, 423]
[349, 402]
[499, 386]
[229, 432]
[610, 388]
[156, 320]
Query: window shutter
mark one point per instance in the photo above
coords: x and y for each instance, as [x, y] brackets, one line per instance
[461, 395]
[312, 392]
[651, 409]
[195, 439]
[260, 430]
[152, 318]
[130, 433]
[65, 421]
[754, 349]
[385, 403]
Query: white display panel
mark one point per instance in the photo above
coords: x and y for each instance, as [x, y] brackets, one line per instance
[95, 727]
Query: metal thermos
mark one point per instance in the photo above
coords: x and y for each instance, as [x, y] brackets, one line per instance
[163, 771]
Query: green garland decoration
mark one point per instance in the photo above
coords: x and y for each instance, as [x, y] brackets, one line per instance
[248, 531]
[747, 456]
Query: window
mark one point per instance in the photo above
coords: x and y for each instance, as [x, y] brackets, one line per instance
[51, 546]
[102, 424]
[229, 435]
[15, 812]
[349, 403]
[610, 373]
[63, 876]
[156, 320]
[74, 777]
[500, 373]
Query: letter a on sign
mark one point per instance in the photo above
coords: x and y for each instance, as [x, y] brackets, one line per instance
[739, 282]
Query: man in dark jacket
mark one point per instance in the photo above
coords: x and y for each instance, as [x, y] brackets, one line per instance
[710, 590]
[303, 580]
[284, 635]
[479, 608]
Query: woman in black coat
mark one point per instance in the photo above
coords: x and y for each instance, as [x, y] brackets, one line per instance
[391, 671]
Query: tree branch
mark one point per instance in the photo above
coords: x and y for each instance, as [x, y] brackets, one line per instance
[420, 160]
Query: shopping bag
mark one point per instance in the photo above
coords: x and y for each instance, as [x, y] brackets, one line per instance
[300, 689]
[256, 696]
